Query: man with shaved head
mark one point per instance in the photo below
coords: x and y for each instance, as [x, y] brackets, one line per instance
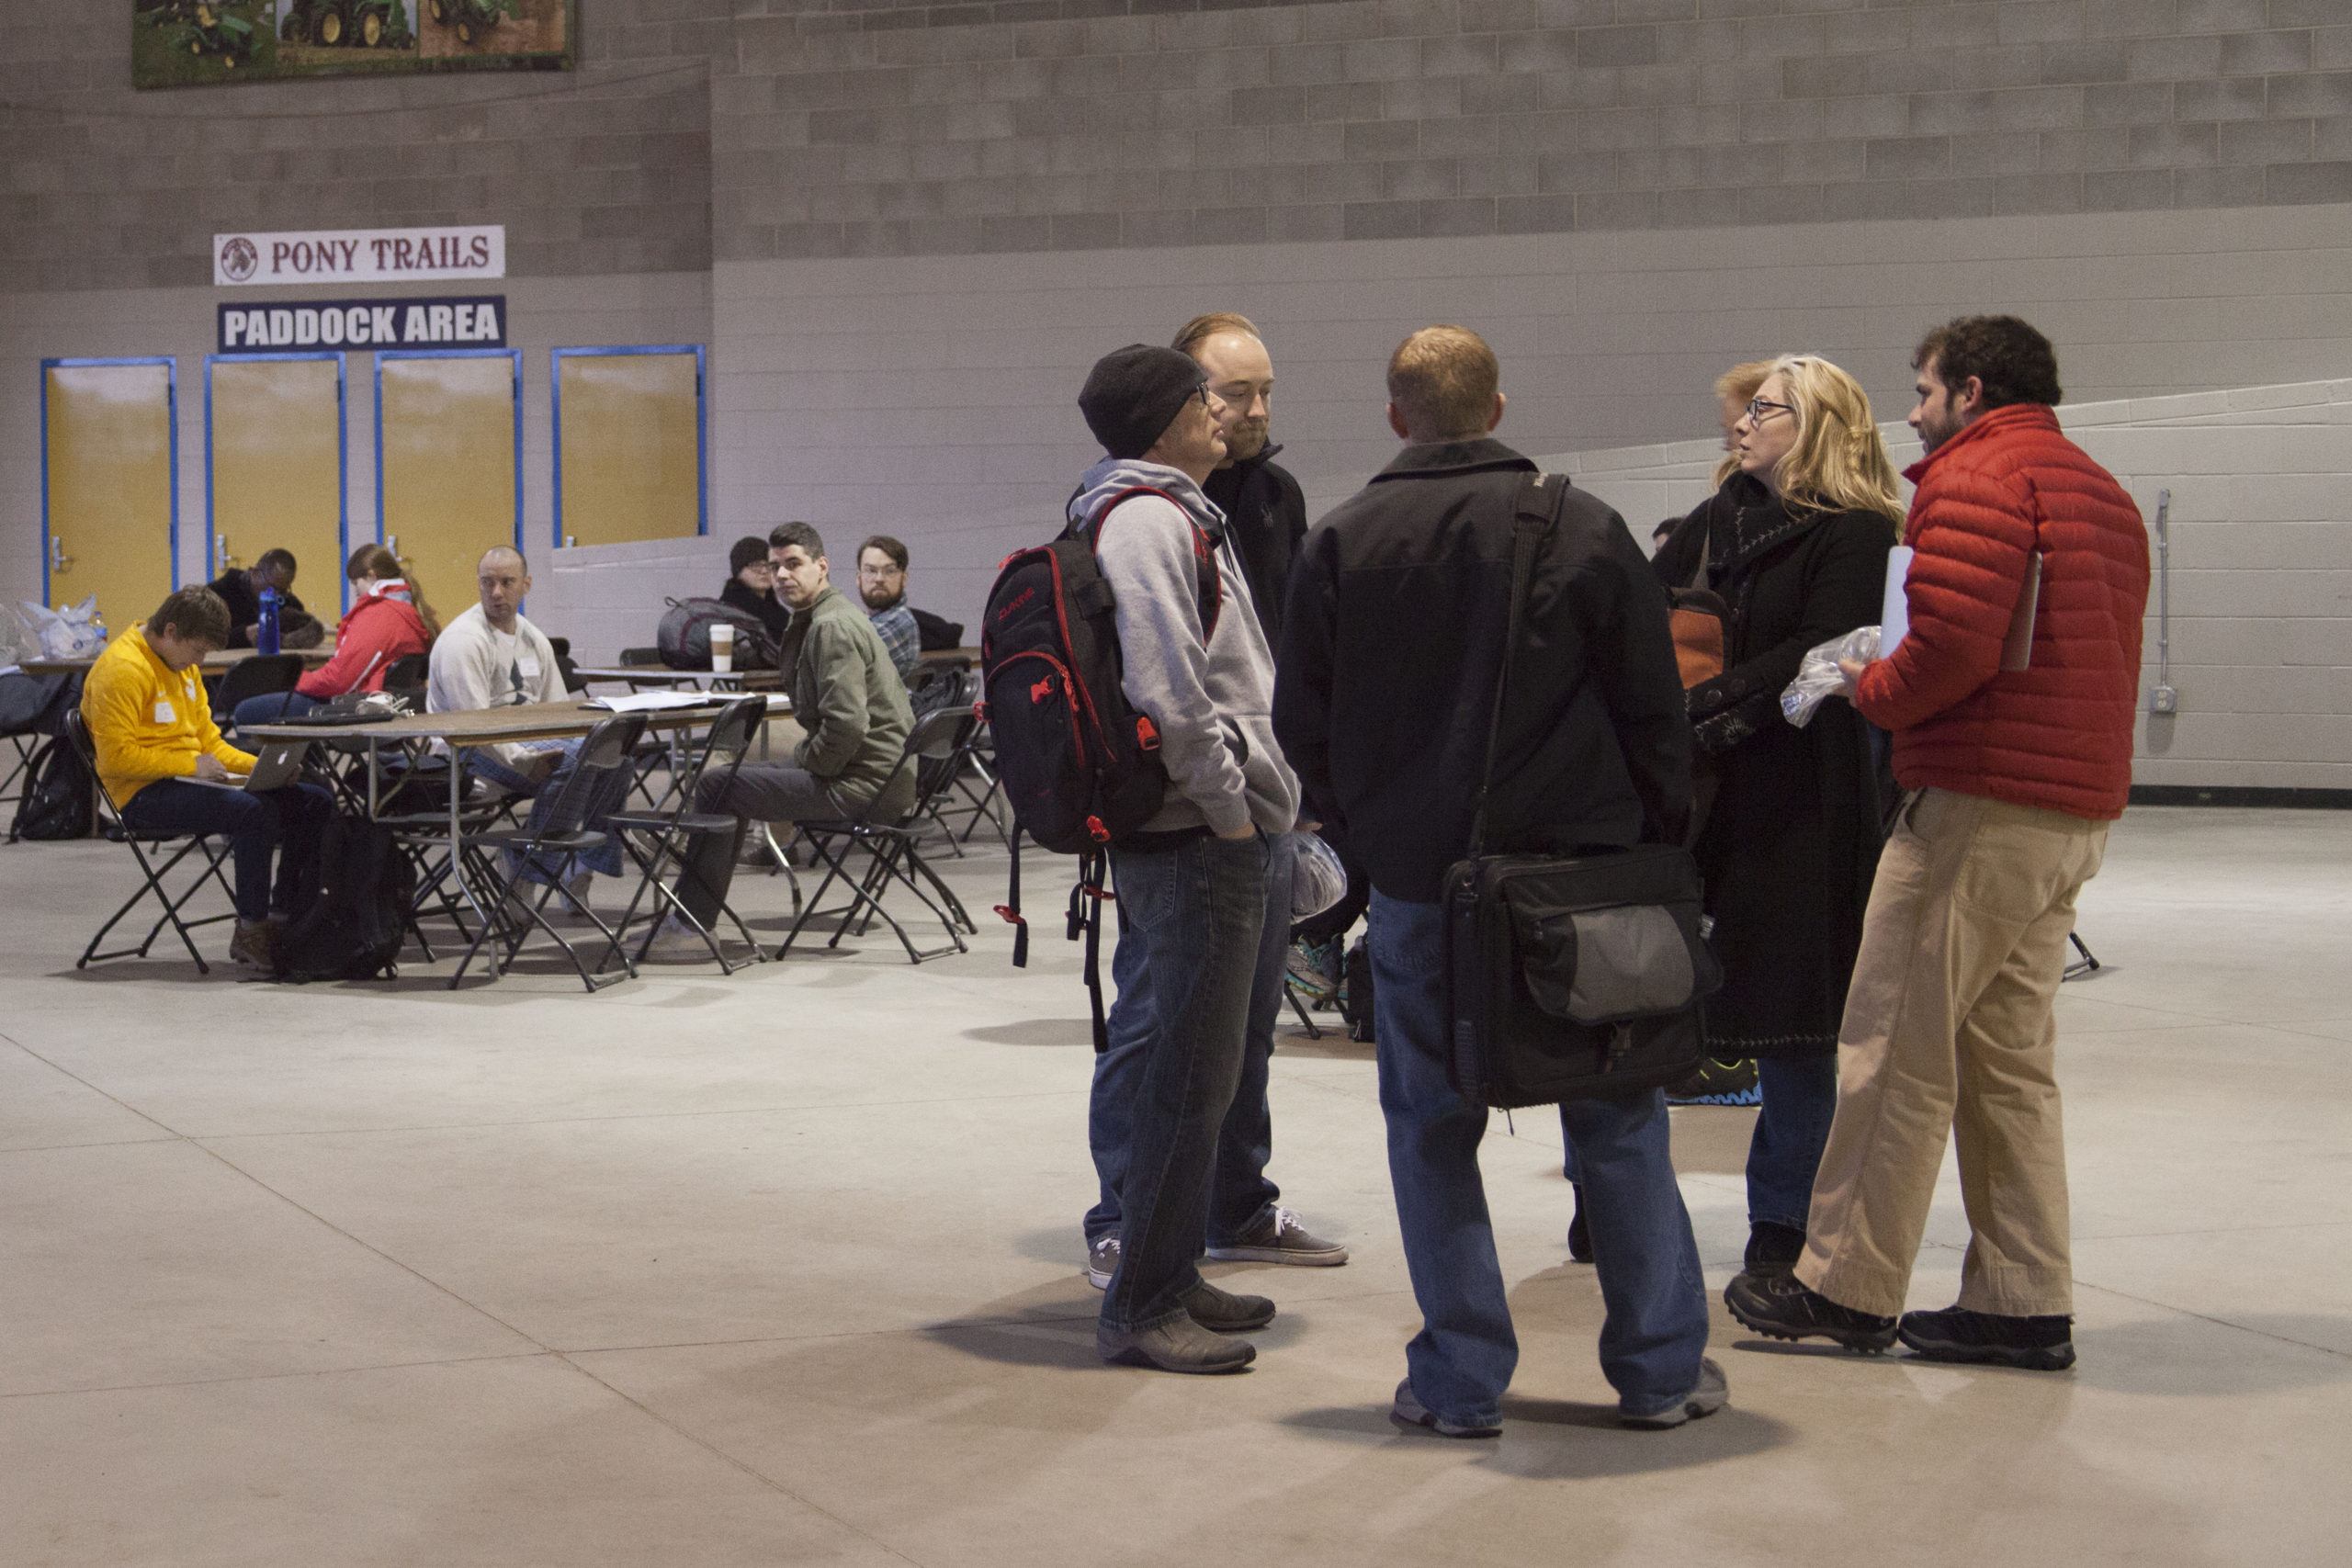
[491, 657]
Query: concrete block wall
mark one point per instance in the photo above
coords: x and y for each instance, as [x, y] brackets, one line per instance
[2261, 567]
[1051, 125]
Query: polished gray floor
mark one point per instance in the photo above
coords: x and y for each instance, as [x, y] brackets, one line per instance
[784, 1268]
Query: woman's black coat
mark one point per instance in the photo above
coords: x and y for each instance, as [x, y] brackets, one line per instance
[1791, 843]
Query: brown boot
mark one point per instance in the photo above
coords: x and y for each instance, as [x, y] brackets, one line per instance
[255, 944]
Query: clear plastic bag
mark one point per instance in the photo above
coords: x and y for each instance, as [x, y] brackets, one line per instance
[1318, 880]
[1818, 676]
[74, 632]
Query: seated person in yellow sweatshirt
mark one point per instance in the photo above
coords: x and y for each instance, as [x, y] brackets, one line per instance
[165, 765]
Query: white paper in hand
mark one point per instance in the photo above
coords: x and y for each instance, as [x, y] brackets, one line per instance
[1894, 613]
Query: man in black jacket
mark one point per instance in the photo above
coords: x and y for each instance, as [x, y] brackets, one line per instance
[240, 590]
[1393, 645]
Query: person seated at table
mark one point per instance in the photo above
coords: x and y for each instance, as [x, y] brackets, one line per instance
[750, 587]
[241, 591]
[492, 656]
[907, 632]
[851, 763]
[388, 620]
[164, 764]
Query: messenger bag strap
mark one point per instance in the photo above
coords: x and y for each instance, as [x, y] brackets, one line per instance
[1532, 525]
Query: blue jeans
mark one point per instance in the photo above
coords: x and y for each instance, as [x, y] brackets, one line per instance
[1199, 910]
[543, 794]
[1463, 1357]
[271, 706]
[288, 820]
[1239, 1195]
[1800, 1097]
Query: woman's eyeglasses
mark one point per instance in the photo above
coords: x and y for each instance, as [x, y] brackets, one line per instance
[1757, 407]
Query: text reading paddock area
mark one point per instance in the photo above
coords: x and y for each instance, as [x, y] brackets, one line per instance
[477, 322]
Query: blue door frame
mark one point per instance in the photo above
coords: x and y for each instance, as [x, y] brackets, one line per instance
[701, 423]
[172, 414]
[342, 459]
[512, 356]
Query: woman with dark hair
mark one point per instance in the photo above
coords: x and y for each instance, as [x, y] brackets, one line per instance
[388, 619]
[1795, 543]
[750, 587]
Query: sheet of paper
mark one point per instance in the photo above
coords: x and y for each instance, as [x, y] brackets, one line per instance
[653, 702]
[1894, 613]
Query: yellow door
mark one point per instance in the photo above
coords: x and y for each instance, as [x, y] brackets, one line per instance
[448, 428]
[274, 433]
[110, 485]
[628, 445]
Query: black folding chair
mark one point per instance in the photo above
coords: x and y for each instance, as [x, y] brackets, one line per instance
[563, 831]
[943, 776]
[77, 735]
[667, 836]
[408, 674]
[892, 855]
[263, 675]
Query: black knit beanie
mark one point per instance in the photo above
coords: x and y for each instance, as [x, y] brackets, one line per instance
[1134, 393]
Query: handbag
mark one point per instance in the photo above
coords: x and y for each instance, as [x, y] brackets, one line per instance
[1568, 977]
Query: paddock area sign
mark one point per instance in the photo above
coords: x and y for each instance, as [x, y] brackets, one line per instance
[358, 255]
[475, 321]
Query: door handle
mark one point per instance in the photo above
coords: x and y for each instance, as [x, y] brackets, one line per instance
[59, 560]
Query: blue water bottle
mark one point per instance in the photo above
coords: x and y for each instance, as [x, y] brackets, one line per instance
[265, 637]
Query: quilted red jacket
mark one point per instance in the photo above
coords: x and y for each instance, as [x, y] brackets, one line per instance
[2057, 735]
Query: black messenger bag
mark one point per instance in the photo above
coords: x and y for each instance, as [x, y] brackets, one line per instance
[1568, 978]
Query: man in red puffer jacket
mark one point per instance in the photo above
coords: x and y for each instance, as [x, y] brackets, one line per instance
[2012, 775]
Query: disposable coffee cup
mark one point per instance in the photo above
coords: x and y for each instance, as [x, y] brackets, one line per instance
[722, 647]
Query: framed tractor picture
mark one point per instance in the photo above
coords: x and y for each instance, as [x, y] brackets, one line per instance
[185, 42]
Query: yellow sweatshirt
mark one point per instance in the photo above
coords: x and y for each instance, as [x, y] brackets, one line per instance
[147, 721]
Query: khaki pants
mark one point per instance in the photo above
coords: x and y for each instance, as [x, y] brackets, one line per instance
[1949, 1027]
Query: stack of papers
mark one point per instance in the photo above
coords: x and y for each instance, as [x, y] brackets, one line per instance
[654, 702]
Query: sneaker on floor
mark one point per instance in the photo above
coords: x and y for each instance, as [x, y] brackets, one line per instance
[1718, 1083]
[678, 941]
[1102, 1260]
[252, 944]
[1956, 1334]
[1222, 1311]
[1707, 1395]
[1313, 968]
[1410, 1412]
[1280, 1238]
[1779, 1306]
[1773, 1247]
[1178, 1345]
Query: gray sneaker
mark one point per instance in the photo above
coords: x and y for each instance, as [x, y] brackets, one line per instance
[1102, 1261]
[1222, 1311]
[1707, 1395]
[1280, 1238]
[1409, 1412]
[1178, 1345]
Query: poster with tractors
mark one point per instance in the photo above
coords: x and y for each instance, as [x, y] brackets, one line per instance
[178, 43]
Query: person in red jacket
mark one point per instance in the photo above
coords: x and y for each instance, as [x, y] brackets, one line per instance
[2012, 770]
[388, 619]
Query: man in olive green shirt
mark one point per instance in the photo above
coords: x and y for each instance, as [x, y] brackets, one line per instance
[847, 696]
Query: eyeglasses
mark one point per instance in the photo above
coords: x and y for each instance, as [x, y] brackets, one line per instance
[1757, 407]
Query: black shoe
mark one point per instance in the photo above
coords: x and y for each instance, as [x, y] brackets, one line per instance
[1225, 1312]
[1780, 1307]
[1580, 1232]
[1774, 1247]
[1956, 1334]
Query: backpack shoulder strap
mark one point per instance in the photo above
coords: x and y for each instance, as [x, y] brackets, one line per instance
[1209, 585]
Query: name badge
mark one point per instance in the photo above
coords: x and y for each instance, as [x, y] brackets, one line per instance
[164, 710]
[530, 666]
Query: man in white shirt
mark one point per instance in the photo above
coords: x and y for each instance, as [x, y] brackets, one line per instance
[491, 657]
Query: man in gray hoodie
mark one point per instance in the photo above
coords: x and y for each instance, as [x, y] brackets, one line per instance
[1192, 883]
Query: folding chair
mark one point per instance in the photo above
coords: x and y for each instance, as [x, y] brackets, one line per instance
[892, 855]
[668, 835]
[564, 830]
[77, 735]
[263, 675]
[408, 674]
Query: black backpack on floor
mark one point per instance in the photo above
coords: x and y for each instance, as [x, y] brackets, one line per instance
[59, 792]
[352, 925]
[1080, 768]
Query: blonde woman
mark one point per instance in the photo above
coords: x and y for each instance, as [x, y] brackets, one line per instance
[1795, 543]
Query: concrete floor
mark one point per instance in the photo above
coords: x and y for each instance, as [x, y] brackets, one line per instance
[784, 1268]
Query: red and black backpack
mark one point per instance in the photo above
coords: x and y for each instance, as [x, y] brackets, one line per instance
[1079, 766]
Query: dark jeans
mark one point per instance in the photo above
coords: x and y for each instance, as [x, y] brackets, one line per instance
[1784, 1154]
[1239, 1194]
[271, 706]
[1650, 1284]
[288, 820]
[1200, 912]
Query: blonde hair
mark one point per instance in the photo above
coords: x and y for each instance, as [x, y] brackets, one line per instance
[1737, 385]
[1200, 329]
[1838, 463]
[1442, 380]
